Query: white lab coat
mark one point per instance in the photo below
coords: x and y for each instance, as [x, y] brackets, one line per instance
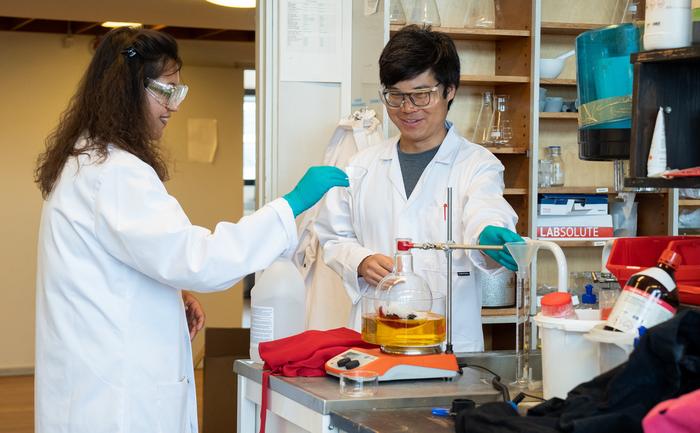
[112, 346]
[381, 213]
[327, 304]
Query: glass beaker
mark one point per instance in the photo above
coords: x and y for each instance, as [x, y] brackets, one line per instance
[557, 166]
[355, 174]
[483, 120]
[396, 13]
[402, 314]
[501, 131]
[625, 11]
[481, 14]
[425, 12]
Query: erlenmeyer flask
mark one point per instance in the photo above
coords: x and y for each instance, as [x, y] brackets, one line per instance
[425, 12]
[480, 13]
[396, 14]
[483, 120]
[501, 132]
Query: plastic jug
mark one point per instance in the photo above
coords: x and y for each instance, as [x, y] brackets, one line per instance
[277, 304]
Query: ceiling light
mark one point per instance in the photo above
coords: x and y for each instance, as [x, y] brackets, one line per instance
[113, 24]
[234, 3]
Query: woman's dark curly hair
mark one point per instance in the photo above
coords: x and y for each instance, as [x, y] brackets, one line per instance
[110, 104]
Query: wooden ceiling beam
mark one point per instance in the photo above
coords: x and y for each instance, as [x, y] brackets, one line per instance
[21, 24]
[85, 28]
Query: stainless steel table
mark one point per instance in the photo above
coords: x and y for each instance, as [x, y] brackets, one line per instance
[304, 404]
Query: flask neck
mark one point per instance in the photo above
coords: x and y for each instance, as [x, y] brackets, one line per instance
[403, 262]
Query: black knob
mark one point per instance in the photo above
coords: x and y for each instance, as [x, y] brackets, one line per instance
[343, 361]
[352, 364]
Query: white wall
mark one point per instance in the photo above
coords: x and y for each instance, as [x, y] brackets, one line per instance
[38, 77]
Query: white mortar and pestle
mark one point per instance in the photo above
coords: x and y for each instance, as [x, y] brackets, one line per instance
[551, 68]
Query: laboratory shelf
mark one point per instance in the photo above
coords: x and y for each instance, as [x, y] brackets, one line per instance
[660, 182]
[515, 191]
[591, 190]
[558, 116]
[558, 82]
[511, 150]
[579, 243]
[689, 202]
[577, 190]
[499, 315]
[492, 80]
[470, 34]
[572, 29]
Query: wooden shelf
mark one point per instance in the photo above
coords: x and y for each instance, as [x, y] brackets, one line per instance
[660, 182]
[671, 55]
[558, 116]
[499, 315]
[575, 243]
[515, 191]
[557, 82]
[493, 80]
[473, 34]
[573, 29]
[577, 190]
[512, 150]
[689, 202]
[590, 190]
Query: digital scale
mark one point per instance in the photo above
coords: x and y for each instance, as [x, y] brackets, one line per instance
[394, 367]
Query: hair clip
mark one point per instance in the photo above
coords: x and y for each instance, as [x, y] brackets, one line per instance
[129, 52]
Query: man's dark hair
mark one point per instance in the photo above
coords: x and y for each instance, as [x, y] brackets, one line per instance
[413, 50]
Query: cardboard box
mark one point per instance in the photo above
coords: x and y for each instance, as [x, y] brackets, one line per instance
[222, 346]
[589, 227]
[573, 204]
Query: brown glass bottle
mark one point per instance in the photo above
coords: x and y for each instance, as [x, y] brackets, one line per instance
[649, 297]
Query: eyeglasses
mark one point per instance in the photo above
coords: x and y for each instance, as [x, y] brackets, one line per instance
[168, 95]
[419, 98]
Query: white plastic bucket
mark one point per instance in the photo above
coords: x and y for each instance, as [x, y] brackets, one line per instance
[568, 359]
[614, 347]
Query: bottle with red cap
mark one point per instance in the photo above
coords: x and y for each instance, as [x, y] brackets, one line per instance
[649, 297]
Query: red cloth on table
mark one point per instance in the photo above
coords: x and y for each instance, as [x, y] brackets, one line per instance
[678, 415]
[303, 354]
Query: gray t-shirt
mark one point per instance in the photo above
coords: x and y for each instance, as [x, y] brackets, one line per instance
[412, 166]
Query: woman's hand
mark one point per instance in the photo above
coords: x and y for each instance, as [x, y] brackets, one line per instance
[194, 313]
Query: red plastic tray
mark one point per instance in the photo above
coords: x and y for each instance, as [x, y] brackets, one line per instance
[630, 255]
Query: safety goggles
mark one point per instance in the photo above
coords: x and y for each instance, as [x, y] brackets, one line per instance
[168, 95]
[419, 98]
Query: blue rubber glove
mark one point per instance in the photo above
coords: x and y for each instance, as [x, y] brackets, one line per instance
[492, 235]
[313, 185]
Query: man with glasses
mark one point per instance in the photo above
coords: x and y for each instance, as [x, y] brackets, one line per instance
[403, 193]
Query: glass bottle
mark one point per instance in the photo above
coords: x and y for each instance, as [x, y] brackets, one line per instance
[556, 174]
[501, 132]
[425, 12]
[480, 14]
[648, 298]
[396, 13]
[483, 120]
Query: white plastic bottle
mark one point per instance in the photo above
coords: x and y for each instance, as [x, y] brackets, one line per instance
[667, 24]
[277, 303]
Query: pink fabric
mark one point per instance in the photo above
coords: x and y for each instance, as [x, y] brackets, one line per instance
[678, 415]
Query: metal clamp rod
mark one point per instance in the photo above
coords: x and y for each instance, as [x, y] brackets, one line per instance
[448, 253]
[449, 246]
